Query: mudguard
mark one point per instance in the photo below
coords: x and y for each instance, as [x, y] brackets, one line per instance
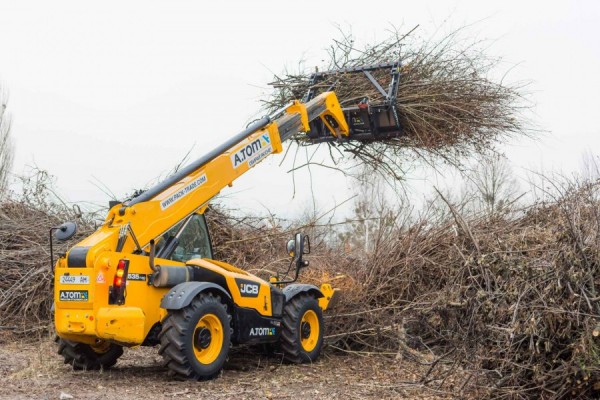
[182, 295]
[293, 290]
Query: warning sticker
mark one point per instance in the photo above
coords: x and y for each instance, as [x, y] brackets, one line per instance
[100, 278]
[184, 191]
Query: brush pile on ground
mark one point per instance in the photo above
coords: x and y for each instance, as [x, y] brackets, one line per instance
[248, 242]
[514, 298]
[25, 291]
[448, 104]
[25, 271]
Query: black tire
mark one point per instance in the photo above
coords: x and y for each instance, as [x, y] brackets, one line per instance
[294, 330]
[85, 357]
[182, 340]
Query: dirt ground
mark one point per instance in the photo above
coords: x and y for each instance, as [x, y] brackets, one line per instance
[33, 370]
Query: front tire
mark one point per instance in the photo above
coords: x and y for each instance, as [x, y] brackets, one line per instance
[85, 357]
[302, 336]
[195, 340]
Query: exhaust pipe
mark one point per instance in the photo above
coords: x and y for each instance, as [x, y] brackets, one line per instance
[168, 276]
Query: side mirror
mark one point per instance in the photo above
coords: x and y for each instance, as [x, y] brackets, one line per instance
[65, 231]
[299, 245]
[306, 245]
[291, 247]
[302, 246]
[61, 233]
[296, 248]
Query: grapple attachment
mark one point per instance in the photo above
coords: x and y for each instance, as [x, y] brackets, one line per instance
[369, 109]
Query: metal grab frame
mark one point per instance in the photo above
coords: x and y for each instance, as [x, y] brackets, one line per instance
[367, 121]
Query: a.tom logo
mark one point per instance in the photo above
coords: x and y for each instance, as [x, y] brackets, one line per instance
[252, 152]
[248, 288]
[73, 295]
[262, 331]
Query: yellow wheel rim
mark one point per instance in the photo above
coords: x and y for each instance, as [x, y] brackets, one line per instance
[309, 330]
[208, 339]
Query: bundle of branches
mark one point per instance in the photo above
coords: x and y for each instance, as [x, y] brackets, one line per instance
[513, 298]
[448, 104]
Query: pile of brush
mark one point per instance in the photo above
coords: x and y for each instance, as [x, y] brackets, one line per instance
[25, 268]
[512, 297]
[448, 104]
[250, 242]
[25, 283]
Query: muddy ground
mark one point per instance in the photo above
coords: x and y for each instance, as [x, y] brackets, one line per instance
[33, 370]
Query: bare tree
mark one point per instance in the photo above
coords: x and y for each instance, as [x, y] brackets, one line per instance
[492, 184]
[6, 148]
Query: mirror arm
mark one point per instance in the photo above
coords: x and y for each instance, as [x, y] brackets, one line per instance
[51, 250]
[298, 263]
[289, 280]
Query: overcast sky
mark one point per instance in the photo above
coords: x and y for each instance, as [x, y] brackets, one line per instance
[118, 91]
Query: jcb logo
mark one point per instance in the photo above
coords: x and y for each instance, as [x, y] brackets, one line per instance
[248, 288]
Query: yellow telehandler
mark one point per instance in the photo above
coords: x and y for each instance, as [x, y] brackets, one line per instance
[147, 275]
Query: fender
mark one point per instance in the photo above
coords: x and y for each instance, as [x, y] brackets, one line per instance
[182, 295]
[291, 291]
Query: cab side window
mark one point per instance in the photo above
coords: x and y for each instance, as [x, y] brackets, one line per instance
[193, 240]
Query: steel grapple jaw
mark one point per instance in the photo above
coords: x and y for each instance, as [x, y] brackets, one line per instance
[370, 110]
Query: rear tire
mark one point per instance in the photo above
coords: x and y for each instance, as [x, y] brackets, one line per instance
[302, 335]
[195, 340]
[85, 357]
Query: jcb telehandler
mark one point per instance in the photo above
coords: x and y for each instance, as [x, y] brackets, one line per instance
[147, 276]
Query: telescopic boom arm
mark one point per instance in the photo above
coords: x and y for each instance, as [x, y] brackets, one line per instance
[159, 208]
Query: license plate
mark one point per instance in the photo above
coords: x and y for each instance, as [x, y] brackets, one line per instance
[75, 280]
